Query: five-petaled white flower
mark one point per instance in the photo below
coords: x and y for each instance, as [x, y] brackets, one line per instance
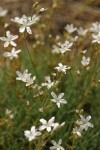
[70, 28]
[95, 27]
[64, 47]
[12, 54]
[96, 38]
[77, 131]
[62, 68]
[48, 82]
[56, 146]
[85, 61]
[25, 77]
[58, 99]
[25, 22]
[47, 124]
[30, 80]
[84, 122]
[9, 39]
[82, 31]
[32, 134]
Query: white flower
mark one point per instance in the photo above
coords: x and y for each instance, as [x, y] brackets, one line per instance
[11, 116]
[32, 134]
[77, 131]
[62, 68]
[8, 112]
[12, 54]
[70, 28]
[42, 9]
[6, 25]
[25, 77]
[85, 61]
[96, 38]
[3, 12]
[58, 99]
[48, 82]
[84, 122]
[26, 22]
[9, 39]
[55, 50]
[30, 81]
[82, 32]
[56, 146]
[47, 124]
[57, 125]
[74, 39]
[65, 47]
[95, 27]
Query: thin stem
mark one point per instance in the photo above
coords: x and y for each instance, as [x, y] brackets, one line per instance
[30, 56]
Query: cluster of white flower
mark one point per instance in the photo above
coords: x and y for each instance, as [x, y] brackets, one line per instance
[25, 77]
[62, 68]
[65, 47]
[70, 29]
[48, 125]
[9, 113]
[25, 24]
[48, 82]
[62, 47]
[82, 125]
[9, 40]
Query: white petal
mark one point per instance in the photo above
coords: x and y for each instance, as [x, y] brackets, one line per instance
[51, 120]
[53, 95]
[32, 128]
[27, 133]
[42, 128]
[6, 44]
[15, 37]
[29, 30]
[43, 121]
[58, 104]
[52, 148]
[53, 142]
[61, 95]
[63, 101]
[22, 29]
[3, 38]
[8, 33]
[88, 118]
[38, 133]
[31, 138]
[48, 129]
[13, 43]
[60, 141]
